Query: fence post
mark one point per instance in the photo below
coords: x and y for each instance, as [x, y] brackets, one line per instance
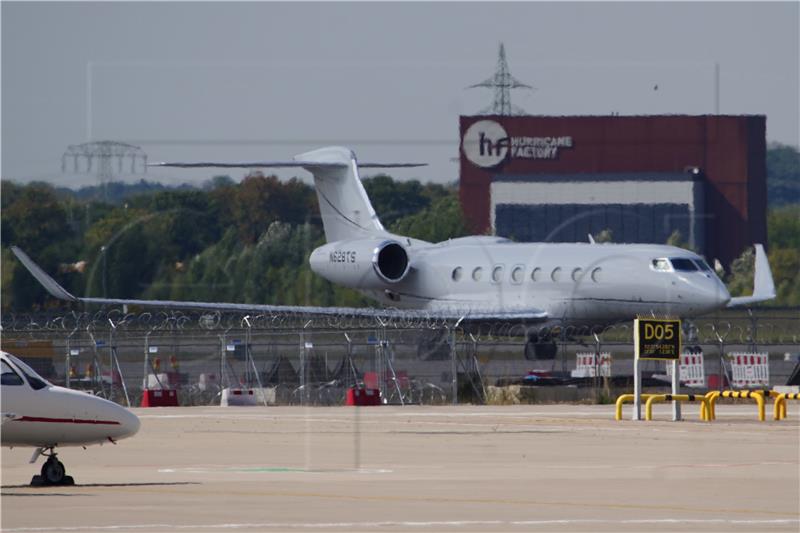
[676, 405]
[453, 366]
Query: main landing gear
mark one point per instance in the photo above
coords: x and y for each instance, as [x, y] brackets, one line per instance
[540, 347]
[53, 472]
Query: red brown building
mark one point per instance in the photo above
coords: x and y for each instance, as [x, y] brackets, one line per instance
[643, 177]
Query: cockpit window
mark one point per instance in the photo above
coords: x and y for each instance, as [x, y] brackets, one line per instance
[683, 265]
[702, 265]
[9, 377]
[662, 265]
[34, 380]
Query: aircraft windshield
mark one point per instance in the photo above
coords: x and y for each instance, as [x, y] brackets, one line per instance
[681, 264]
[701, 263]
[661, 264]
[9, 377]
[35, 380]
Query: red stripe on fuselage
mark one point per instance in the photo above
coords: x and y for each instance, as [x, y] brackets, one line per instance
[65, 420]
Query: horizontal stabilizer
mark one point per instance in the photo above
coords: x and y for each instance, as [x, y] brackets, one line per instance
[391, 165]
[763, 285]
[255, 164]
[283, 164]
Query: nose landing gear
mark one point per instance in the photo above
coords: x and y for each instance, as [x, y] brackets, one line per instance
[53, 472]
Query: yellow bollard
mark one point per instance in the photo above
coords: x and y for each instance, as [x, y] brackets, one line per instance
[704, 408]
[648, 406]
[622, 399]
[626, 398]
[779, 410]
[713, 396]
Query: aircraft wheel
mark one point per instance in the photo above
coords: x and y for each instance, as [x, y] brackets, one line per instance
[536, 350]
[53, 472]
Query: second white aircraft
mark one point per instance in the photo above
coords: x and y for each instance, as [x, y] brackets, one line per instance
[41, 415]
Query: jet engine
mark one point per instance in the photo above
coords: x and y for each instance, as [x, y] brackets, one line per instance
[362, 264]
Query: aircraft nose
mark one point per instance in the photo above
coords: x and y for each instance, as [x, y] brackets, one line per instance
[714, 294]
[129, 423]
[723, 296]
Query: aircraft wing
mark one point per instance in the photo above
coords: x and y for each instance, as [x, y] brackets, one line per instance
[460, 314]
[763, 285]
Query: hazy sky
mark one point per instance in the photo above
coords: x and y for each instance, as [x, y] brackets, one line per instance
[259, 81]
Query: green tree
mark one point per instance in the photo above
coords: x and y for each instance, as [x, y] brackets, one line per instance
[740, 278]
[783, 174]
[783, 227]
[785, 263]
[33, 217]
[443, 220]
[260, 200]
[392, 199]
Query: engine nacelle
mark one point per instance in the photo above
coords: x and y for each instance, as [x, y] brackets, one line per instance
[362, 264]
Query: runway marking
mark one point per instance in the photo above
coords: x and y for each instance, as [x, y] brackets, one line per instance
[215, 469]
[655, 466]
[488, 501]
[210, 469]
[418, 524]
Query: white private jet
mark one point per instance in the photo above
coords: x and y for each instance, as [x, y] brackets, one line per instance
[480, 279]
[38, 414]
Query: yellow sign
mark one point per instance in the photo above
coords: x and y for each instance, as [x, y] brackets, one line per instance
[657, 338]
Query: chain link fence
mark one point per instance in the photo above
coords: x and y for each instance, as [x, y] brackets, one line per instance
[305, 360]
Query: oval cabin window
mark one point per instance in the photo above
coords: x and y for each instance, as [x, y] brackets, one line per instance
[497, 274]
[477, 273]
[516, 275]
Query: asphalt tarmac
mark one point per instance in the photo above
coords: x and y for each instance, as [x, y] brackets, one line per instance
[531, 468]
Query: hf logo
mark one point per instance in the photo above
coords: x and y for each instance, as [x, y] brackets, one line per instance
[486, 143]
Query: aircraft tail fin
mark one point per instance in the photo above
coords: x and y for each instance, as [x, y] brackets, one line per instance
[763, 284]
[343, 203]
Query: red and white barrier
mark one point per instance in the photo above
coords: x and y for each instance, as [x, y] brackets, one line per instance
[691, 369]
[247, 396]
[587, 365]
[749, 369]
[238, 397]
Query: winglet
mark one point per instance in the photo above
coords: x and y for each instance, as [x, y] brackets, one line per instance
[42, 277]
[763, 284]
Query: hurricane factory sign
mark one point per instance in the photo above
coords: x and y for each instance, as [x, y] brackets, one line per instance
[486, 144]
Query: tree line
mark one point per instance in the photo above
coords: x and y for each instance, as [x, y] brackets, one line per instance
[239, 242]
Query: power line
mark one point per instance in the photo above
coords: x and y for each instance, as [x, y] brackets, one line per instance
[99, 158]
